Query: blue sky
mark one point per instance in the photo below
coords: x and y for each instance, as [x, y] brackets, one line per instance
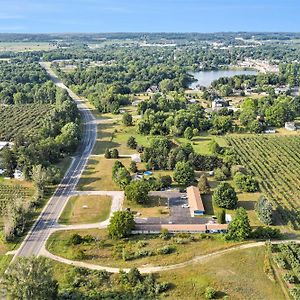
[148, 15]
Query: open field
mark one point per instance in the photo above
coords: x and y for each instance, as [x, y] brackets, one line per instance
[97, 175]
[21, 119]
[108, 252]
[24, 46]
[276, 162]
[238, 275]
[86, 210]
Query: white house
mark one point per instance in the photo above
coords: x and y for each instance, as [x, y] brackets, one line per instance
[290, 126]
[18, 174]
[218, 103]
[153, 89]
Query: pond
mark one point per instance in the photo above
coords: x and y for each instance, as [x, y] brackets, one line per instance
[205, 78]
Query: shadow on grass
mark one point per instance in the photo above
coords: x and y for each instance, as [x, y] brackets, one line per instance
[208, 205]
[248, 205]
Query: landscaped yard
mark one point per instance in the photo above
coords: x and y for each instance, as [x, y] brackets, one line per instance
[239, 275]
[138, 250]
[97, 175]
[86, 209]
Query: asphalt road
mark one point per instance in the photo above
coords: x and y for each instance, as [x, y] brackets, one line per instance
[48, 218]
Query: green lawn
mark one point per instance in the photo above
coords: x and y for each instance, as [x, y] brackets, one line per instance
[75, 212]
[157, 207]
[237, 275]
[97, 175]
[108, 252]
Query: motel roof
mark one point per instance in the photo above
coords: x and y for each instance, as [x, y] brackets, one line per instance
[194, 198]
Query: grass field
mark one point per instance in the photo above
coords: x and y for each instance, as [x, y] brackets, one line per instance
[108, 252]
[97, 175]
[24, 46]
[275, 160]
[238, 275]
[97, 210]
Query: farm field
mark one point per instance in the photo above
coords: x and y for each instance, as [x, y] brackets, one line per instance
[86, 209]
[286, 258]
[139, 249]
[24, 46]
[18, 119]
[276, 163]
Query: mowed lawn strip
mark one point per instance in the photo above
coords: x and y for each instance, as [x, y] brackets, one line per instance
[86, 209]
[109, 252]
[97, 175]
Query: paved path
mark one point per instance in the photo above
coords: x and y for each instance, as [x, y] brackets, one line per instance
[41, 229]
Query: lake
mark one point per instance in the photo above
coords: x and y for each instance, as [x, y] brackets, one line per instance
[205, 78]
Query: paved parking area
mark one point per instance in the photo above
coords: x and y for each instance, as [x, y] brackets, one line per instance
[178, 214]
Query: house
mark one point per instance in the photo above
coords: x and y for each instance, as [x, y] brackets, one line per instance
[136, 158]
[18, 174]
[290, 126]
[218, 103]
[153, 89]
[5, 144]
[195, 201]
[281, 90]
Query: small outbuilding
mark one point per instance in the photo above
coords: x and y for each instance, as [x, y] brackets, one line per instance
[290, 126]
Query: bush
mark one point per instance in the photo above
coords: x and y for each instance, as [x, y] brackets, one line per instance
[75, 239]
[289, 277]
[164, 234]
[210, 293]
[131, 143]
[166, 181]
[114, 153]
[166, 250]
[280, 261]
[266, 233]
[245, 183]
[221, 216]
[219, 174]
[107, 153]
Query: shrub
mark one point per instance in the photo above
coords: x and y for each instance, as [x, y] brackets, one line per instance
[114, 153]
[131, 143]
[107, 153]
[219, 174]
[166, 250]
[266, 233]
[164, 234]
[289, 277]
[75, 239]
[210, 293]
[245, 183]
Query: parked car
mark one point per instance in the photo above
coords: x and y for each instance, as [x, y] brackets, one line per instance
[185, 205]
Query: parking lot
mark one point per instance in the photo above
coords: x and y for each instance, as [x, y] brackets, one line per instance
[178, 213]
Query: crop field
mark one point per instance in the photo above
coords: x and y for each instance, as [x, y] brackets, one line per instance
[21, 119]
[276, 163]
[287, 259]
[8, 192]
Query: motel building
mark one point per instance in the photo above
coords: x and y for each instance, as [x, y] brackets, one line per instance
[195, 201]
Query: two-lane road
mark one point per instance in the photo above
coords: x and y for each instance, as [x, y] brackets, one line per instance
[48, 218]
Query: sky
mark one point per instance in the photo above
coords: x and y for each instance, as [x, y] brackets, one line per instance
[42, 16]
